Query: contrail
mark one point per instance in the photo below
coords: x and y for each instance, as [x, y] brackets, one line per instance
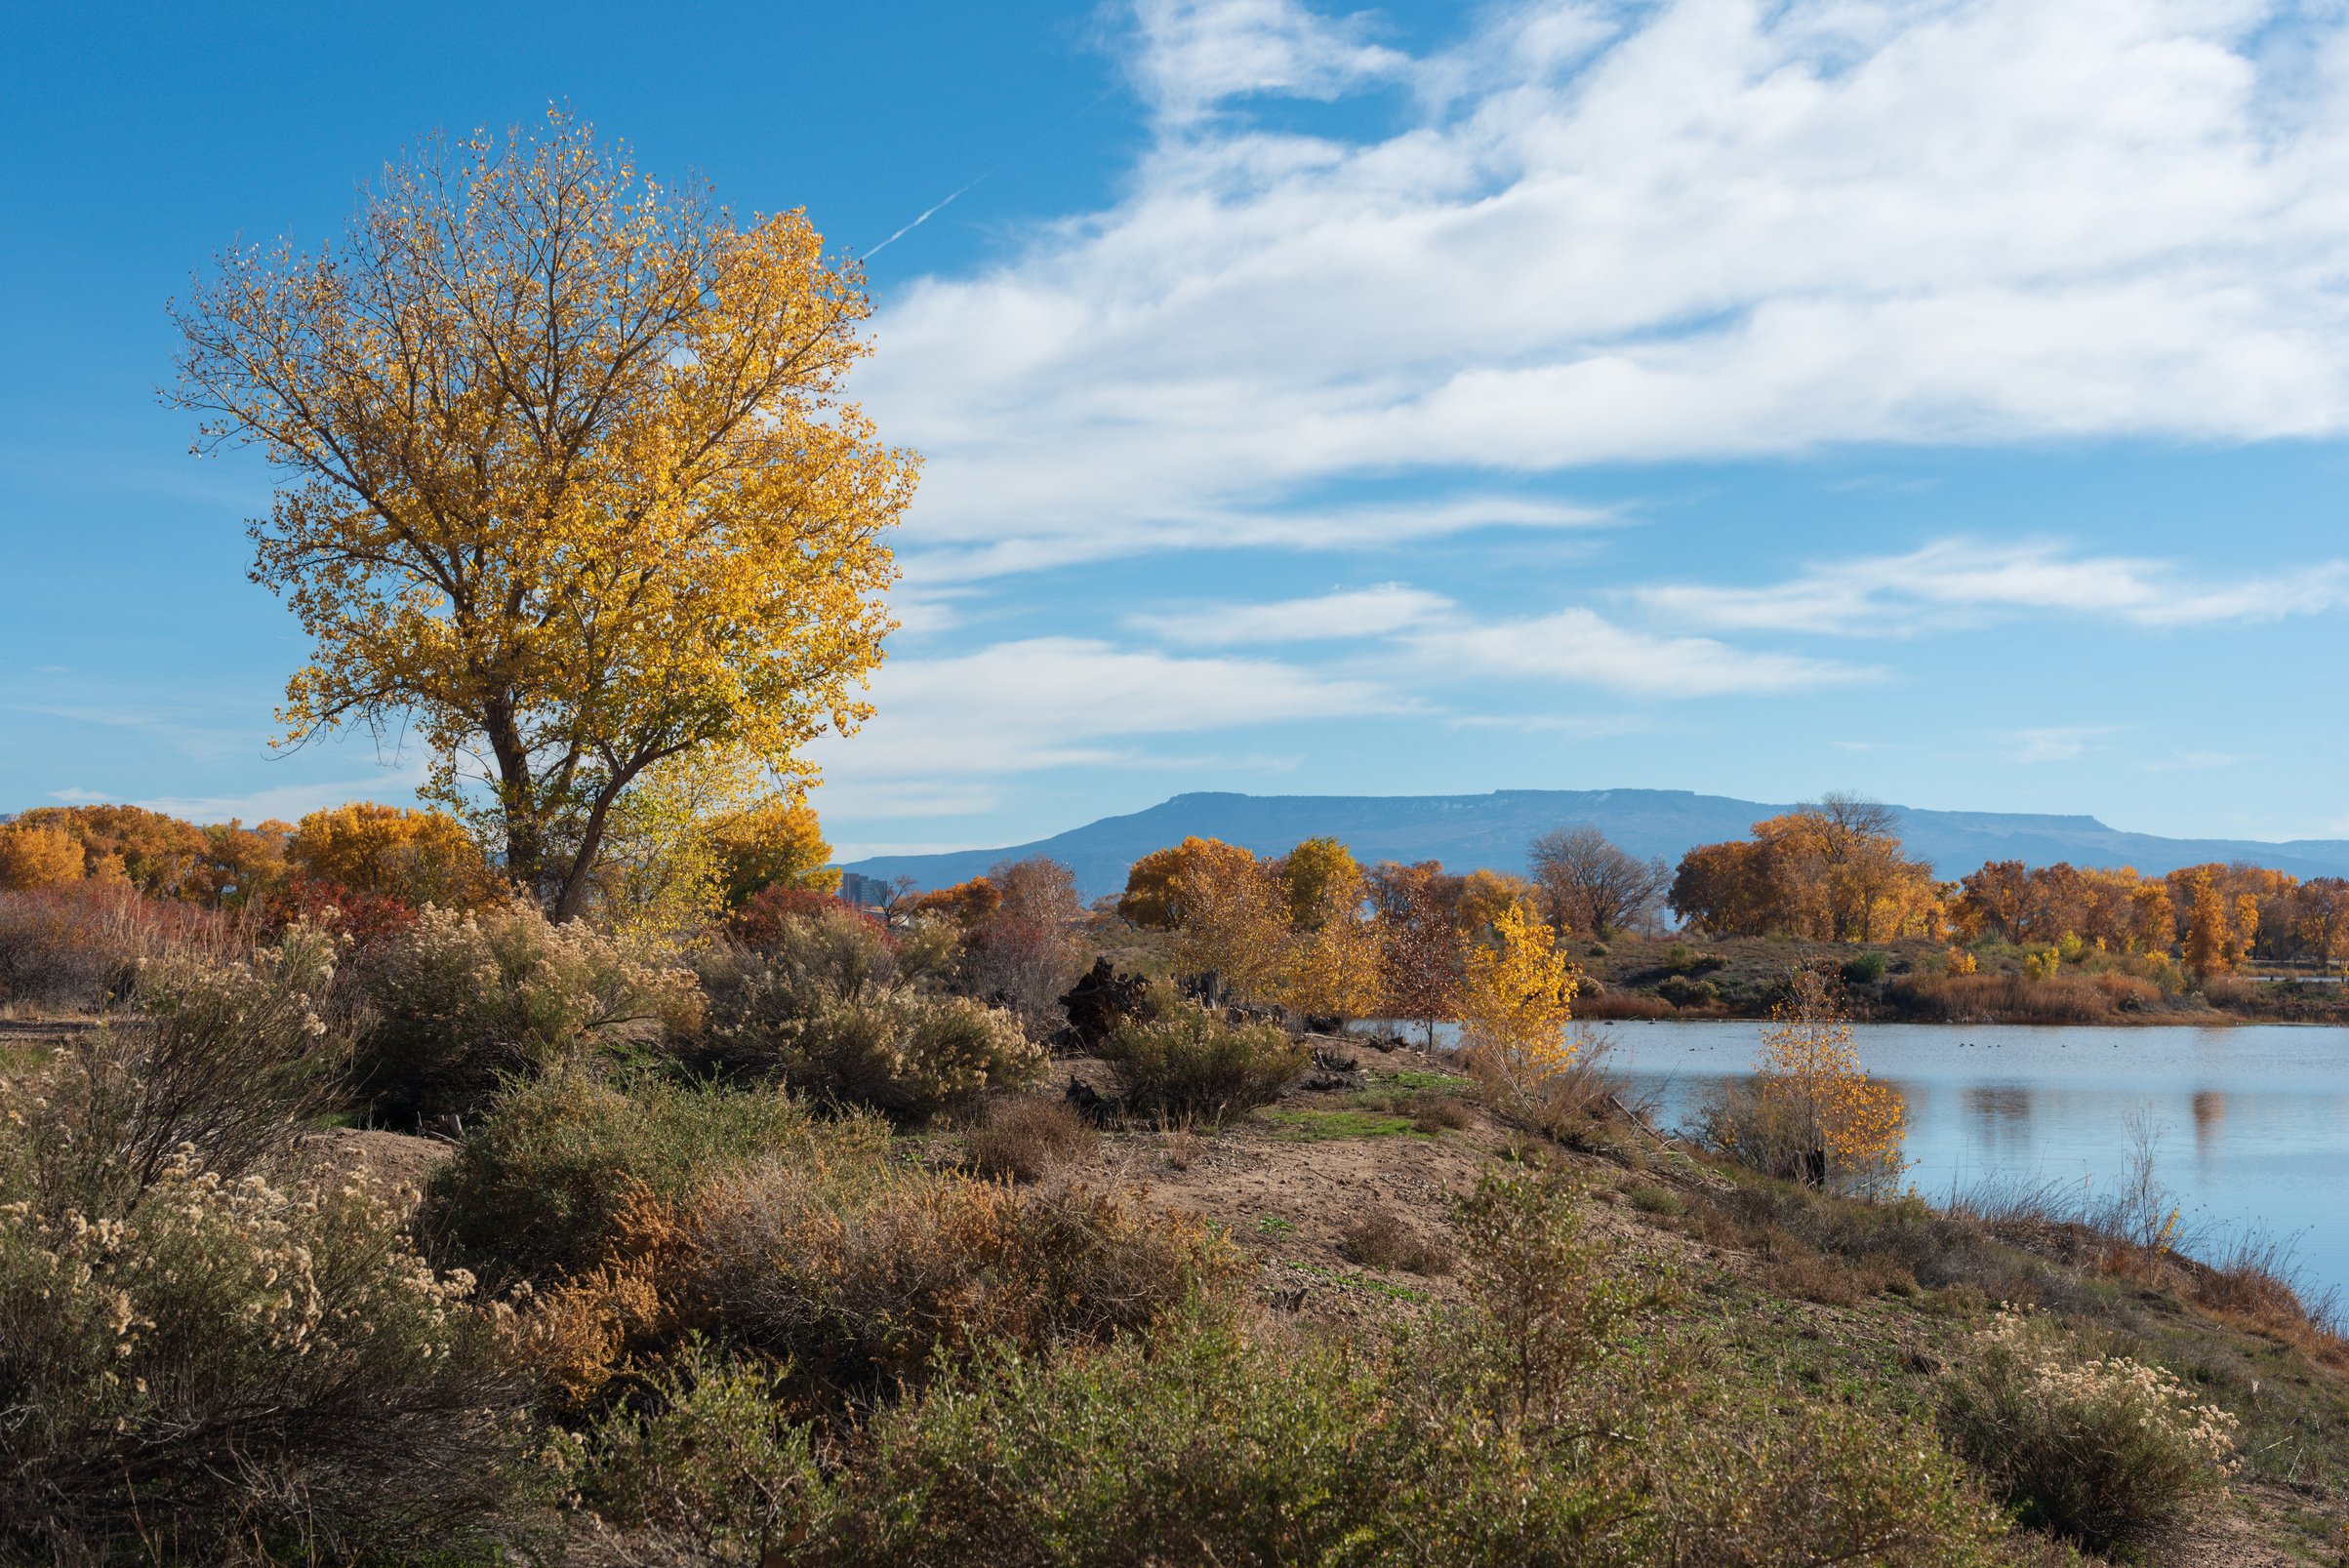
[918, 221]
[925, 218]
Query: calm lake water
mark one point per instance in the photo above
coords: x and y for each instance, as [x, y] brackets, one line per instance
[2253, 1122]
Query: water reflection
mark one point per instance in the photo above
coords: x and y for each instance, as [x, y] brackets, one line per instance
[2267, 1109]
[2209, 1119]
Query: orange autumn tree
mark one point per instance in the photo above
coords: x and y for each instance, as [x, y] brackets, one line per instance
[1152, 900]
[1814, 1113]
[2221, 924]
[1516, 1001]
[568, 487]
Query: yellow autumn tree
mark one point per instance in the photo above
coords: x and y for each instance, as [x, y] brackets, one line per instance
[1236, 921]
[39, 855]
[1515, 1000]
[1335, 960]
[777, 842]
[568, 484]
[417, 857]
[1815, 1113]
[1486, 896]
[1312, 871]
[1152, 901]
[2220, 924]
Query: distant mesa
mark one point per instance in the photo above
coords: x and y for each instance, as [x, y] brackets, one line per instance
[1466, 831]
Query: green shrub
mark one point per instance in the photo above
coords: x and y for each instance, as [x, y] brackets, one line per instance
[233, 1370]
[710, 1458]
[1682, 991]
[2105, 1452]
[1541, 1425]
[820, 1012]
[799, 966]
[460, 1001]
[907, 1053]
[1177, 1061]
[540, 1188]
[1868, 968]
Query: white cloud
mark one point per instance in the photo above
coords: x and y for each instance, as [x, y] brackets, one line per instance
[1199, 53]
[1579, 646]
[1378, 612]
[1302, 527]
[286, 802]
[1703, 229]
[1055, 702]
[2060, 743]
[1962, 579]
[2193, 762]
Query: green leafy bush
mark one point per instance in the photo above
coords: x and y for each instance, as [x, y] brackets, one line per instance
[238, 1369]
[1180, 1061]
[1868, 968]
[1682, 991]
[461, 1000]
[709, 1459]
[2104, 1450]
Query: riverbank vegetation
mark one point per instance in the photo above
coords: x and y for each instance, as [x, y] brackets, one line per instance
[779, 1244]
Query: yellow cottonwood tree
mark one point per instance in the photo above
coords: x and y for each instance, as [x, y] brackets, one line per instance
[777, 842]
[1236, 921]
[1517, 997]
[1335, 961]
[568, 484]
[1830, 1118]
[38, 855]
[418, 857]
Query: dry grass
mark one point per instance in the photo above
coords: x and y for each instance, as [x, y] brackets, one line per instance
[858, 1290]
[80, 948]
[1832, 1281]
[1182, 1146]
[2018, 999]
[1385, 1239]
[1624, 1004]
[1027, 1138]
[1432, 1112]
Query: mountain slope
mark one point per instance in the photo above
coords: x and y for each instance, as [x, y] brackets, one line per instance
[1466, 831]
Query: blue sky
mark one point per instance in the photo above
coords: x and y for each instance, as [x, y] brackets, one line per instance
[1945, 401]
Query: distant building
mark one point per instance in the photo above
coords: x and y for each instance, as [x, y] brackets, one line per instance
[865, 892]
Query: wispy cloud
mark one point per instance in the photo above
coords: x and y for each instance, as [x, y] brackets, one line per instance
[1058, 701]
[1199, 54]
[287, 802]
[1360, 613]
[1583, 648]
[2057, 744]
[2193, 762]
[1957, 580]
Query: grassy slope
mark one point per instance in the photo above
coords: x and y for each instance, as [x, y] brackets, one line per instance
[1810, 1291]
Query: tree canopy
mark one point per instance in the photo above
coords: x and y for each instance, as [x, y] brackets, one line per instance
[568, 485]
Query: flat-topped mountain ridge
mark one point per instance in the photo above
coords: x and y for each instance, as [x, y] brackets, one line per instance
[1492, 830]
